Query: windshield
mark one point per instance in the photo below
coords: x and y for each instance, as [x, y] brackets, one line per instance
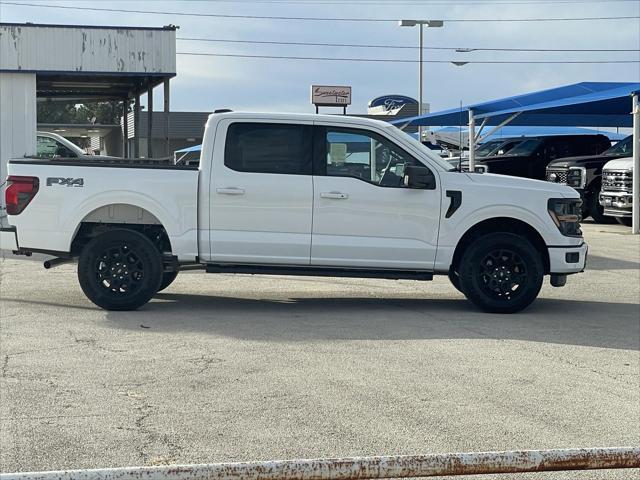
[622, 148]
[488, 148]
[427, 152]
[525, 148]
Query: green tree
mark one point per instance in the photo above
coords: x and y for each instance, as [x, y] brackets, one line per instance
[108, 113]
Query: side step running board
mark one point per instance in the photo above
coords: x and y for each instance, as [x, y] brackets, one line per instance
[310, 271]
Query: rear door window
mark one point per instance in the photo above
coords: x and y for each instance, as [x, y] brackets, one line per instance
[269, 148]
[49, 148]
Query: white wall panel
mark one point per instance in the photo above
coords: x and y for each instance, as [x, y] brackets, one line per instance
[17, 119]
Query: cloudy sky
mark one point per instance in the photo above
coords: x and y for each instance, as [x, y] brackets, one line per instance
[207, 83]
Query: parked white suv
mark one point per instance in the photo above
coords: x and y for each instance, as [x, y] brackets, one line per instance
[301, 195]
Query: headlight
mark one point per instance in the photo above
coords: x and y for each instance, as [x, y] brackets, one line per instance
[577, 177]
[482, 169]
[566, 214]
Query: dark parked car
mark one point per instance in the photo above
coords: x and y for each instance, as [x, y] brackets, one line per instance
[530, 158]
[584, 173]
[498, 146]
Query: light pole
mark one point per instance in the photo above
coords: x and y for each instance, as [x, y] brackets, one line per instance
[422, 23]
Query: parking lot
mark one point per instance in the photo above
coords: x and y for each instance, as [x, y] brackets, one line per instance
[231, 368]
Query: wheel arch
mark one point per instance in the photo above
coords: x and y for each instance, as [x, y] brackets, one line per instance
[501, 224]
[120, 215]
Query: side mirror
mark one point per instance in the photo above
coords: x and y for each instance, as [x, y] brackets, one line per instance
[419, 177]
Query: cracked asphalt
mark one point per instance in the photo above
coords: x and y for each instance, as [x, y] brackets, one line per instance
[231, 368]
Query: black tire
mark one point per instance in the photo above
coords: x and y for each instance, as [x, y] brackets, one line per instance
[120, 270]
[596, 211]
[626, 221]
[501, 272]
[454, 278]
[167, 279]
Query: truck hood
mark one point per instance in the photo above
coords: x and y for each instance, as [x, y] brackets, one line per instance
[495, 181]
[580, 161]
[625, 163]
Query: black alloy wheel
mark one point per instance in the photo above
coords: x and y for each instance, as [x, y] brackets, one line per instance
[501, 272]
[120, 270]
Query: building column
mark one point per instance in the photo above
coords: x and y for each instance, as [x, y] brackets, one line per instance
[136, 126]
[167, 99]
[125, 129]
[635, 212]
[150, 121]
[18, 118]
[472, 143]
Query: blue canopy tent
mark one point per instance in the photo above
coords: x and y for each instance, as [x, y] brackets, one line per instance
[195, 148]
[179, 156]
[586, 104]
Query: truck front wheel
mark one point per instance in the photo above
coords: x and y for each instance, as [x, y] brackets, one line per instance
[501, 272]
[120, 270]
[626, 221]
[596, 210]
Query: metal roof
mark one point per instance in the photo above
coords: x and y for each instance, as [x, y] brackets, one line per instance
[60, 25]
[89, 62]
[589, 104]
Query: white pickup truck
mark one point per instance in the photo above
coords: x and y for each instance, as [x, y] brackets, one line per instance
[296, 194]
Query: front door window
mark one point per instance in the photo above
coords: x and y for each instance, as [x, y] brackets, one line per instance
[366, 156]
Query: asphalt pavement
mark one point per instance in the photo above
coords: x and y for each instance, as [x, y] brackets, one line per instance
[233, 367]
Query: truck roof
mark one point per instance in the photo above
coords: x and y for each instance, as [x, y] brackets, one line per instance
[299, 117]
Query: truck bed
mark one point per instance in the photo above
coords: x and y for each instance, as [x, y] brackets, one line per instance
[108, 162]
[71, 192]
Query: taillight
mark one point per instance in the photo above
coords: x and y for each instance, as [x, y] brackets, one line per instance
[20, 191]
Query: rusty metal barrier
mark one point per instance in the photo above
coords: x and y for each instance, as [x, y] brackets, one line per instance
[448, 464]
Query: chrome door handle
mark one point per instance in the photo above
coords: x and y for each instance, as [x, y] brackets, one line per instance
[230, 191]
[334, 195]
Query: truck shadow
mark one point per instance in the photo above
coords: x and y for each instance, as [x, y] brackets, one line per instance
[596, 262]
[571, 322]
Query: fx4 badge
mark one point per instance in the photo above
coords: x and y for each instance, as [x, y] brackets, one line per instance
[69, 182]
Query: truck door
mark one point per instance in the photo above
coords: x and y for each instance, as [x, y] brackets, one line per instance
[261, 193]
[363, 215]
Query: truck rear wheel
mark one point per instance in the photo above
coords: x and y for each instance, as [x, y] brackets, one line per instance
[501, 273]
[167, 279]
[120, 270]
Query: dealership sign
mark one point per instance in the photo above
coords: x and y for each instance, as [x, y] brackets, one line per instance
[389, 104]
[330, 96]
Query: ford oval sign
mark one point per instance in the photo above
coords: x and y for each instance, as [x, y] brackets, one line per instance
[391, 102]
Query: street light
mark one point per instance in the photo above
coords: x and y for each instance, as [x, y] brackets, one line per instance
[422, 23]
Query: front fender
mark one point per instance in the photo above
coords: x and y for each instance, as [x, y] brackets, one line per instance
[453, 229]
